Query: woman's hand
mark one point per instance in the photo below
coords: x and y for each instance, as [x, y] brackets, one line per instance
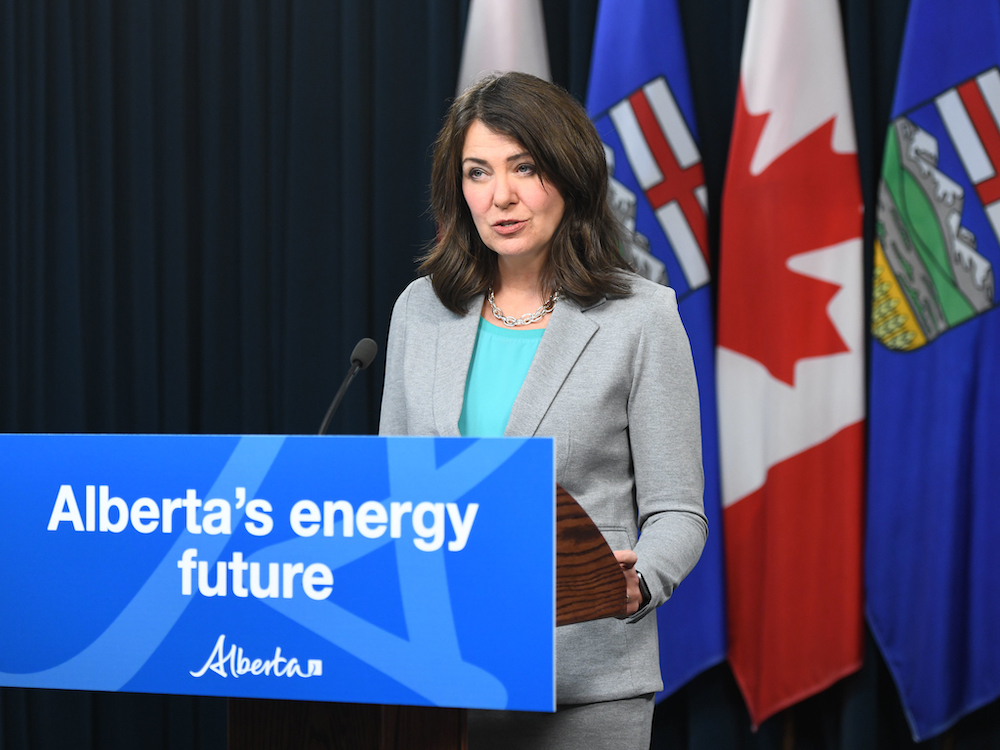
[633, 594]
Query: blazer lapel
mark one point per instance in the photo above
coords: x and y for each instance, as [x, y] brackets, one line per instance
[566, 336]
[455, 342]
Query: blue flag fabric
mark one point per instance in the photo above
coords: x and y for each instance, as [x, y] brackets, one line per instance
[640, 100]
[932, 558]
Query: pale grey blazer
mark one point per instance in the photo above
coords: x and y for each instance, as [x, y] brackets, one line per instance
[614, 384]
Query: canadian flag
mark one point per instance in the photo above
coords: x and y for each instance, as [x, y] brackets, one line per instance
[790, 361]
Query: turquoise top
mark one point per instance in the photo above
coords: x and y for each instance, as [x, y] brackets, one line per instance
[500, 362]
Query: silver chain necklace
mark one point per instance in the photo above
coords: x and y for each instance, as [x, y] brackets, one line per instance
[526, 319]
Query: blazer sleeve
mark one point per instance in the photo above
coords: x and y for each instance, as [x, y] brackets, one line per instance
[392, 418]
[665, 441]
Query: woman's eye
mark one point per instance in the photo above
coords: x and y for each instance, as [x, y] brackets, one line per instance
[475, 173]
[526, 168]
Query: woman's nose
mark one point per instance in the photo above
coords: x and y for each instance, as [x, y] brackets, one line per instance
[503, 193]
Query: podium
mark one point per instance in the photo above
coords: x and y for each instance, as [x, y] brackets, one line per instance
[245, 566]
[589, 586]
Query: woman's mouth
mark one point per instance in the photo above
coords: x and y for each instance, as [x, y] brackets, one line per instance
[508, 226]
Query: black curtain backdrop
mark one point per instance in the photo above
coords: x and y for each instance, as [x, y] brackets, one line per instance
[204, 204]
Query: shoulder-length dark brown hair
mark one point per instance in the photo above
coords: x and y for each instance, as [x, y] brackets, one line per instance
[584, 259]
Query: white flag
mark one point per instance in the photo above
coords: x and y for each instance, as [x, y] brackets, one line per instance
[504, 35]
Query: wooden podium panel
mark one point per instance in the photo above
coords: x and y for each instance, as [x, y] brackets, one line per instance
[589, 582]
[589, 585]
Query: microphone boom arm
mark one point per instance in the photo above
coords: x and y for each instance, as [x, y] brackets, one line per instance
[362, 356]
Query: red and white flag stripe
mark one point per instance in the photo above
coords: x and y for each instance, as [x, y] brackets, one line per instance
[665, 160]
[971, 114]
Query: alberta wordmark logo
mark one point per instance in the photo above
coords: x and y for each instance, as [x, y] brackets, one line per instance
[231, 660]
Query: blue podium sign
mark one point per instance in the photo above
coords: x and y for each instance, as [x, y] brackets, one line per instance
[413, 571]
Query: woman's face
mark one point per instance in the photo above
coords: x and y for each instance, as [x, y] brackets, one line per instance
[515, 213]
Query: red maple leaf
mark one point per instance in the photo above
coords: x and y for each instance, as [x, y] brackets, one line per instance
[806, 199]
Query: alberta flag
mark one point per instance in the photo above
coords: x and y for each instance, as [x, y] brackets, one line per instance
[640, 100]
[932, 552]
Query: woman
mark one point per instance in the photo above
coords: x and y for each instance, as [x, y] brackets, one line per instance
[526, 321]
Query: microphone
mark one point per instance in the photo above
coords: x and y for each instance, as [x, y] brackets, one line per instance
[362, 356]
